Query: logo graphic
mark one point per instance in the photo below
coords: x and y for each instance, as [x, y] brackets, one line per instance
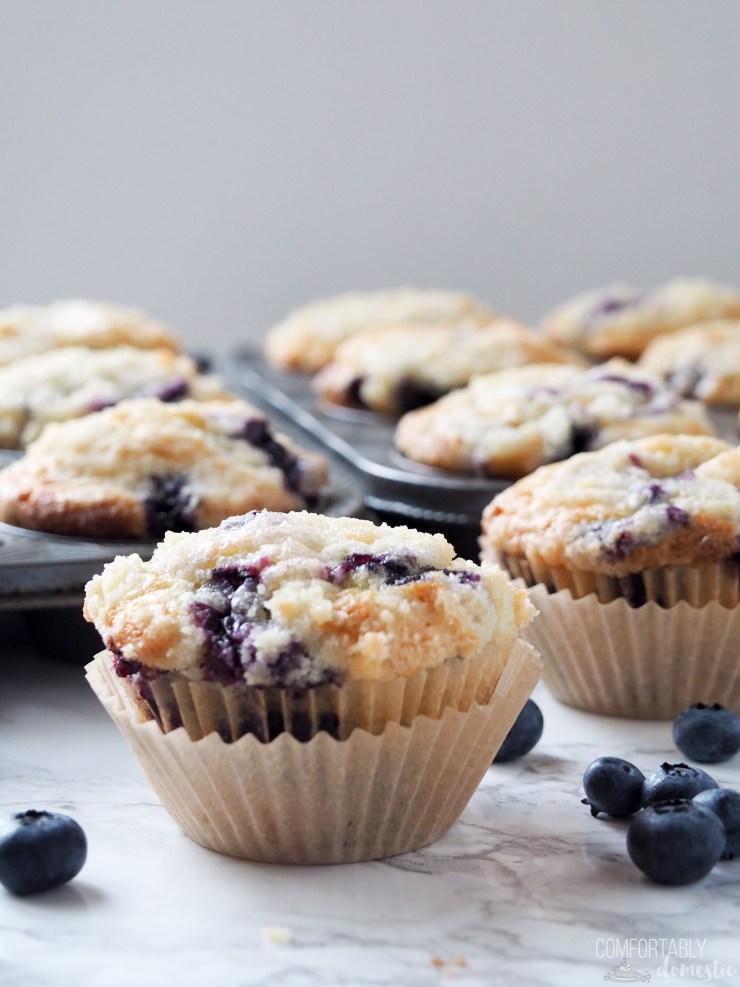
[624, 974]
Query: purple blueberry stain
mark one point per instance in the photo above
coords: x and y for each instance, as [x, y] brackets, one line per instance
[582, 438]
[168, 505]
[230, 614]
[412, 394]
[678, 516]
[611, 305]
[393, 569]
[643, 387]
[172, 390]
[354, 392]
[621, 547]
[258, 433]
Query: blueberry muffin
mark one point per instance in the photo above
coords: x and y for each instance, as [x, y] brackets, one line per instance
[145, 467]
[292, 683]
[509, 423]
[624, 520]
[398, 368]
[75, 381]
[297, 601]
[307, 338]
[631, 553]
[621, 320]
[26, 330]
[702, 361]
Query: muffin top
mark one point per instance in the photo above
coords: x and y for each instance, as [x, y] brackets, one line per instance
[510, 422]
[299, 599]
[635, 505]
[145, 467]
[397, 368]
[29, 329]
[307, 338]
[702, 361]
[74, 381]
[621, 320]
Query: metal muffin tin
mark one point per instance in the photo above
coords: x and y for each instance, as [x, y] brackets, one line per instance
[39, 570]
[364, 440]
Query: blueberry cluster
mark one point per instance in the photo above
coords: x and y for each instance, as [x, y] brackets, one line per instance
[683, 821]
[230, 614]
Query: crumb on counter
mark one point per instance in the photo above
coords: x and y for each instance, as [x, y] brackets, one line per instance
[277, 935]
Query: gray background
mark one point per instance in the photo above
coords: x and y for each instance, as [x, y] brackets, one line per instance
[220, 162]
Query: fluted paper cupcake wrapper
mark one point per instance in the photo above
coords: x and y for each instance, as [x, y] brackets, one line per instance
[666, 586]
[232, 711]
[647, 662]
[325, 801]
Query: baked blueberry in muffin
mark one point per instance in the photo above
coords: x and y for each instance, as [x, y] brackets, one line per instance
[146, 466]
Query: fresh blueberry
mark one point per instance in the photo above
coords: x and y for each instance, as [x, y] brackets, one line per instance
[675, 781]
[708, 734]
[40, 851]
[524, 734]
[725, 803]
[676, 842]
[614, 786]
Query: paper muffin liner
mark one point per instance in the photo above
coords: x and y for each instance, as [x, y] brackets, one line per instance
[232, 711]
[648, 662]
[698, 585]
[326, 800]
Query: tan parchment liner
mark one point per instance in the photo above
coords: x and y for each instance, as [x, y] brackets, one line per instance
[697, 584]
[647, 662]
[232, 711]
[325, 801]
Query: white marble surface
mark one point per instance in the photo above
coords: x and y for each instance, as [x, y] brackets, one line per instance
[526, 888]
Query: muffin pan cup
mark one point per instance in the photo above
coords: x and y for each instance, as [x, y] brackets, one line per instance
[326, 800]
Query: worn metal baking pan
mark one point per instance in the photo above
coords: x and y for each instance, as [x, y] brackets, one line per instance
[364, 440]
[39, 570]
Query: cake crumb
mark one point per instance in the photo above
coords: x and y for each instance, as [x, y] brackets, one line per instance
[449, 969]
[277, 935]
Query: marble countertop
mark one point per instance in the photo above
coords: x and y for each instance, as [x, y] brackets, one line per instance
[526, 888]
